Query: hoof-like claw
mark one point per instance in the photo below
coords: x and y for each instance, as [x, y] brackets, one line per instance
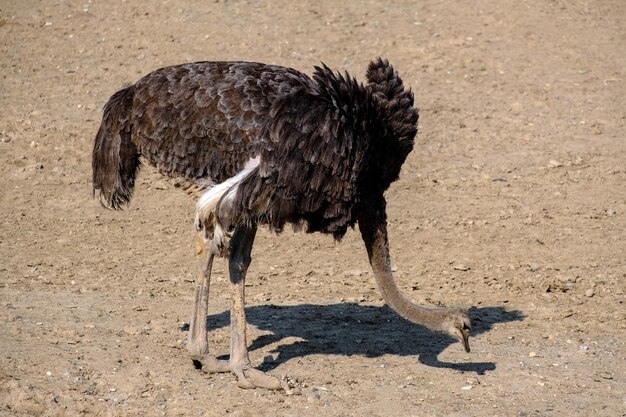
[209, 364]
[249, 378]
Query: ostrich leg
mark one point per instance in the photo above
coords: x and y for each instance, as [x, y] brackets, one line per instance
[239, 260]
[197, 343]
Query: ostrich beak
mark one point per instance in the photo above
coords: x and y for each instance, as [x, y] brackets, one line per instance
[465, 339]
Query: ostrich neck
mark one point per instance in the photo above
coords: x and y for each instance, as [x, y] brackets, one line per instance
[373, 227]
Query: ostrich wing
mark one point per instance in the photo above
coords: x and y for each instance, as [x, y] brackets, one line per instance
[201, 119]
[310, 163]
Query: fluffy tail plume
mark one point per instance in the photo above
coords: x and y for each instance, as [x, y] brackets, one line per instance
[397, 102]
[383, 79]
[115, 159]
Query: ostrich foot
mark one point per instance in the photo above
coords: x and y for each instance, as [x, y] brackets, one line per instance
[249, 378]
[209, 364]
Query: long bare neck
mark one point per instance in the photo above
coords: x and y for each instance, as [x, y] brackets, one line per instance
[373, 227]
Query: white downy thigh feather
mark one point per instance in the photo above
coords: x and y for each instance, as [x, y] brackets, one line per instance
[207, 203]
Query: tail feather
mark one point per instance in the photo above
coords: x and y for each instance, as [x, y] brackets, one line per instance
[115, 159]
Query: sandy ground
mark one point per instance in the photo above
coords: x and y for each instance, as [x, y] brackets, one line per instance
[513, 202]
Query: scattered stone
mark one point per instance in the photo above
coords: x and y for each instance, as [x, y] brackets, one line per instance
[554, 164]
[583, 347]
[473, 381]
[131, 331]
[532, 354]
[589, 292]
[534, 267]
[567, 286]
[605, 375]
[315, 396]
[49, 373]
[5, 139]
[461, 267]
[466, 387]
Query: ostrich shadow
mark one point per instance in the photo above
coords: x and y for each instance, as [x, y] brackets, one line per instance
[353, 329]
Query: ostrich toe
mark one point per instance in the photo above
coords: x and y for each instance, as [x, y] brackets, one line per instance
[249, 378]
[209, 364]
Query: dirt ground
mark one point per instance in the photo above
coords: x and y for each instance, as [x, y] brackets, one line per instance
[513, 202]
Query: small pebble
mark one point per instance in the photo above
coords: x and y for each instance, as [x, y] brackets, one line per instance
[534, 267]
[313, 397]
[49, 373]
[473, 381]
[467, 387]
[532, 354]
[589, 292]
[583, 347]
[554, 163]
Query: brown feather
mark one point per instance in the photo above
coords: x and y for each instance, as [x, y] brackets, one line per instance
[326, 143]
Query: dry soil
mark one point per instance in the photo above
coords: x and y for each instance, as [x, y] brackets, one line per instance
[513, 202]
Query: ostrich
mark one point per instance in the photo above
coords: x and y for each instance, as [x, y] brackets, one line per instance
[261, 144]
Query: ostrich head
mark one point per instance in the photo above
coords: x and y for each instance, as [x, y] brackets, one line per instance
[458, 325]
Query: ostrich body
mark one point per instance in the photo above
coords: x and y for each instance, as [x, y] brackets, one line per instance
[267, 145]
